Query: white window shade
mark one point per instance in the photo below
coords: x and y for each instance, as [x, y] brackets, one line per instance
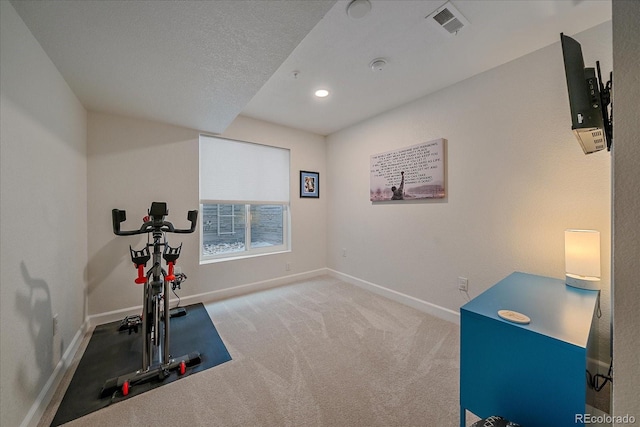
[243, 171]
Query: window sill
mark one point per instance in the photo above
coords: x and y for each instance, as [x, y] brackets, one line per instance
[238, 257]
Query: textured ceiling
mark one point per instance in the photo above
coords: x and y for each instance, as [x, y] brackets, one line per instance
[201, 63]
[190, 63]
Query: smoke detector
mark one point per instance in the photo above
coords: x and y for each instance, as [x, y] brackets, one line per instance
[358, 9]
[448, 19]
[377, 64]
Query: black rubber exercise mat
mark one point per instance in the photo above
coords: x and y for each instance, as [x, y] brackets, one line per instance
[111, 353]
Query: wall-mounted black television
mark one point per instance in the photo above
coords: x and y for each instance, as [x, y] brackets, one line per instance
[589, 99]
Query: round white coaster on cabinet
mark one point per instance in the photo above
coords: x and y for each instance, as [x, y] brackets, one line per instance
[514, 316]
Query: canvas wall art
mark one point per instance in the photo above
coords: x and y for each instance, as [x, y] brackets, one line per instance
[410, 173]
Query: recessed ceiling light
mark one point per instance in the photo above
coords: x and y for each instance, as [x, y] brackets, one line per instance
[322, 93]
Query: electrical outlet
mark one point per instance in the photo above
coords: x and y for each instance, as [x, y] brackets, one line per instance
[287, 266]
[344, 252]
[463, 284]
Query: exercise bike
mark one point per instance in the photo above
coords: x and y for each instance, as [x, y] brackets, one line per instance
[157, 363]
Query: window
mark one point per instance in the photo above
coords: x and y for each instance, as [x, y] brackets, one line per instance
[244, 199]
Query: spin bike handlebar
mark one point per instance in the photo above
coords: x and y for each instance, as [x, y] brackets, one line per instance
[155, 221]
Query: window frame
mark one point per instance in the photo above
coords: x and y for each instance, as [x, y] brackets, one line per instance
[232, 216]
[249, 251]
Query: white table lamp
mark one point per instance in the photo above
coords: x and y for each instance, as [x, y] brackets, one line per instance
[582, 258]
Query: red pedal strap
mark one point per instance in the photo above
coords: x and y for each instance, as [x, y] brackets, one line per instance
[141, 279]
[170, 277]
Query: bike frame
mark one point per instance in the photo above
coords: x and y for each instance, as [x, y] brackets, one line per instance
[156, 361]
[155, 288]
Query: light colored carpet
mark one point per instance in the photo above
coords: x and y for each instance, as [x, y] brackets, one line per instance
[315, 353]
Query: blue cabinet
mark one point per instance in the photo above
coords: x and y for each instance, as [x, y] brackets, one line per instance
[532, 374]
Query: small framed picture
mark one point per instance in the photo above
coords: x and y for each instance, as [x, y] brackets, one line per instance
[309, 184]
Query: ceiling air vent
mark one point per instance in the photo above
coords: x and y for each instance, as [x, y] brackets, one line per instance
[448, 19]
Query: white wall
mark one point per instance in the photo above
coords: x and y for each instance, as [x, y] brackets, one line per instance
[43, 219]
[134, 162]
[517, 178]
[626, 206]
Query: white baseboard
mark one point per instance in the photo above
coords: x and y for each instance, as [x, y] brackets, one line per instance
[112, 316]
[252, 287]
[46, 394]
[418, 304]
